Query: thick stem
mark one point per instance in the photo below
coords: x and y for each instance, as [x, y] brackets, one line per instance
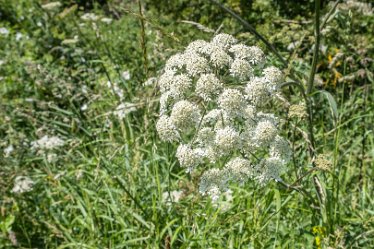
[311, 77]
[316, 47]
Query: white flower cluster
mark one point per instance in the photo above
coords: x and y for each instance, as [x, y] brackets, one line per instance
[51, 6]
[22, 184]
[47, 143]
[214, 98]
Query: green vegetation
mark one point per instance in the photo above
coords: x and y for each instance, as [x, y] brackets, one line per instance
[108, 185]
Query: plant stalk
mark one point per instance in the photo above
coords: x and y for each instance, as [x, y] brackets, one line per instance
[252, 30]
[316, 47]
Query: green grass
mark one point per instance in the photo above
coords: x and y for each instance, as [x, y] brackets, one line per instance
[105, 187]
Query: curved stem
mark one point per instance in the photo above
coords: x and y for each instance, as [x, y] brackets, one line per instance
[300, 190]
[252, 30]
[327, 17]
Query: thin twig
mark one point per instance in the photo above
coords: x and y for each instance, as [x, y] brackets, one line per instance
[328, 15]
[292, 21]
[252, 30]
[303, 176]
[300, 190]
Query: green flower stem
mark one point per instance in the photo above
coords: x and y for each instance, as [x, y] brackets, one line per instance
[316, 47]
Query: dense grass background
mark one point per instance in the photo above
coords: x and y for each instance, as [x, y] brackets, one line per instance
[106, 187]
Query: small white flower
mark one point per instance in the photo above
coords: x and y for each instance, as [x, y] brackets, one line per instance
[188, 158]
[240, 169]
[205, 136]
[22, 184]
[84, 89]
[257, 91]
[165, 81]
[174, 196]
[281, 149]
[232, 101]
[219, 58]
[242, 69]
[126, 75]
[224, 41]
[250, 115]
[84, 107]
[227, 201]
[257, 57]
[226, 119]
[213, 179]
[269, 117]
[214, 193]
[185, 115]
[123, 109]
[269, 169]
[116, 89]
[175, 62]
[180, 85]
[198, 46]
[52, 6]
[297, 111]
[47, 143]
[227, 140]
[89, 17]
[208, 86]
[240, 51]
[252, 54]
[19, 36]
[150, 82]
[52, 157]
[273, 76]
[106, 20]
[196, 64]
[264, 133]
[211, 153]
[166, 129]
[79, 174]
[8, 150]
[212, 117]
[4, 31]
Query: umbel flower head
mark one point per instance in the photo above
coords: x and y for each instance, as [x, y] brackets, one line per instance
[215, 99]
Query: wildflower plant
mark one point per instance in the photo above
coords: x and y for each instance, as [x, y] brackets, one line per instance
[214, 104]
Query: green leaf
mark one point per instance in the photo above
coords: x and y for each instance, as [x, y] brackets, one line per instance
[332, 103]
[6, 225]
